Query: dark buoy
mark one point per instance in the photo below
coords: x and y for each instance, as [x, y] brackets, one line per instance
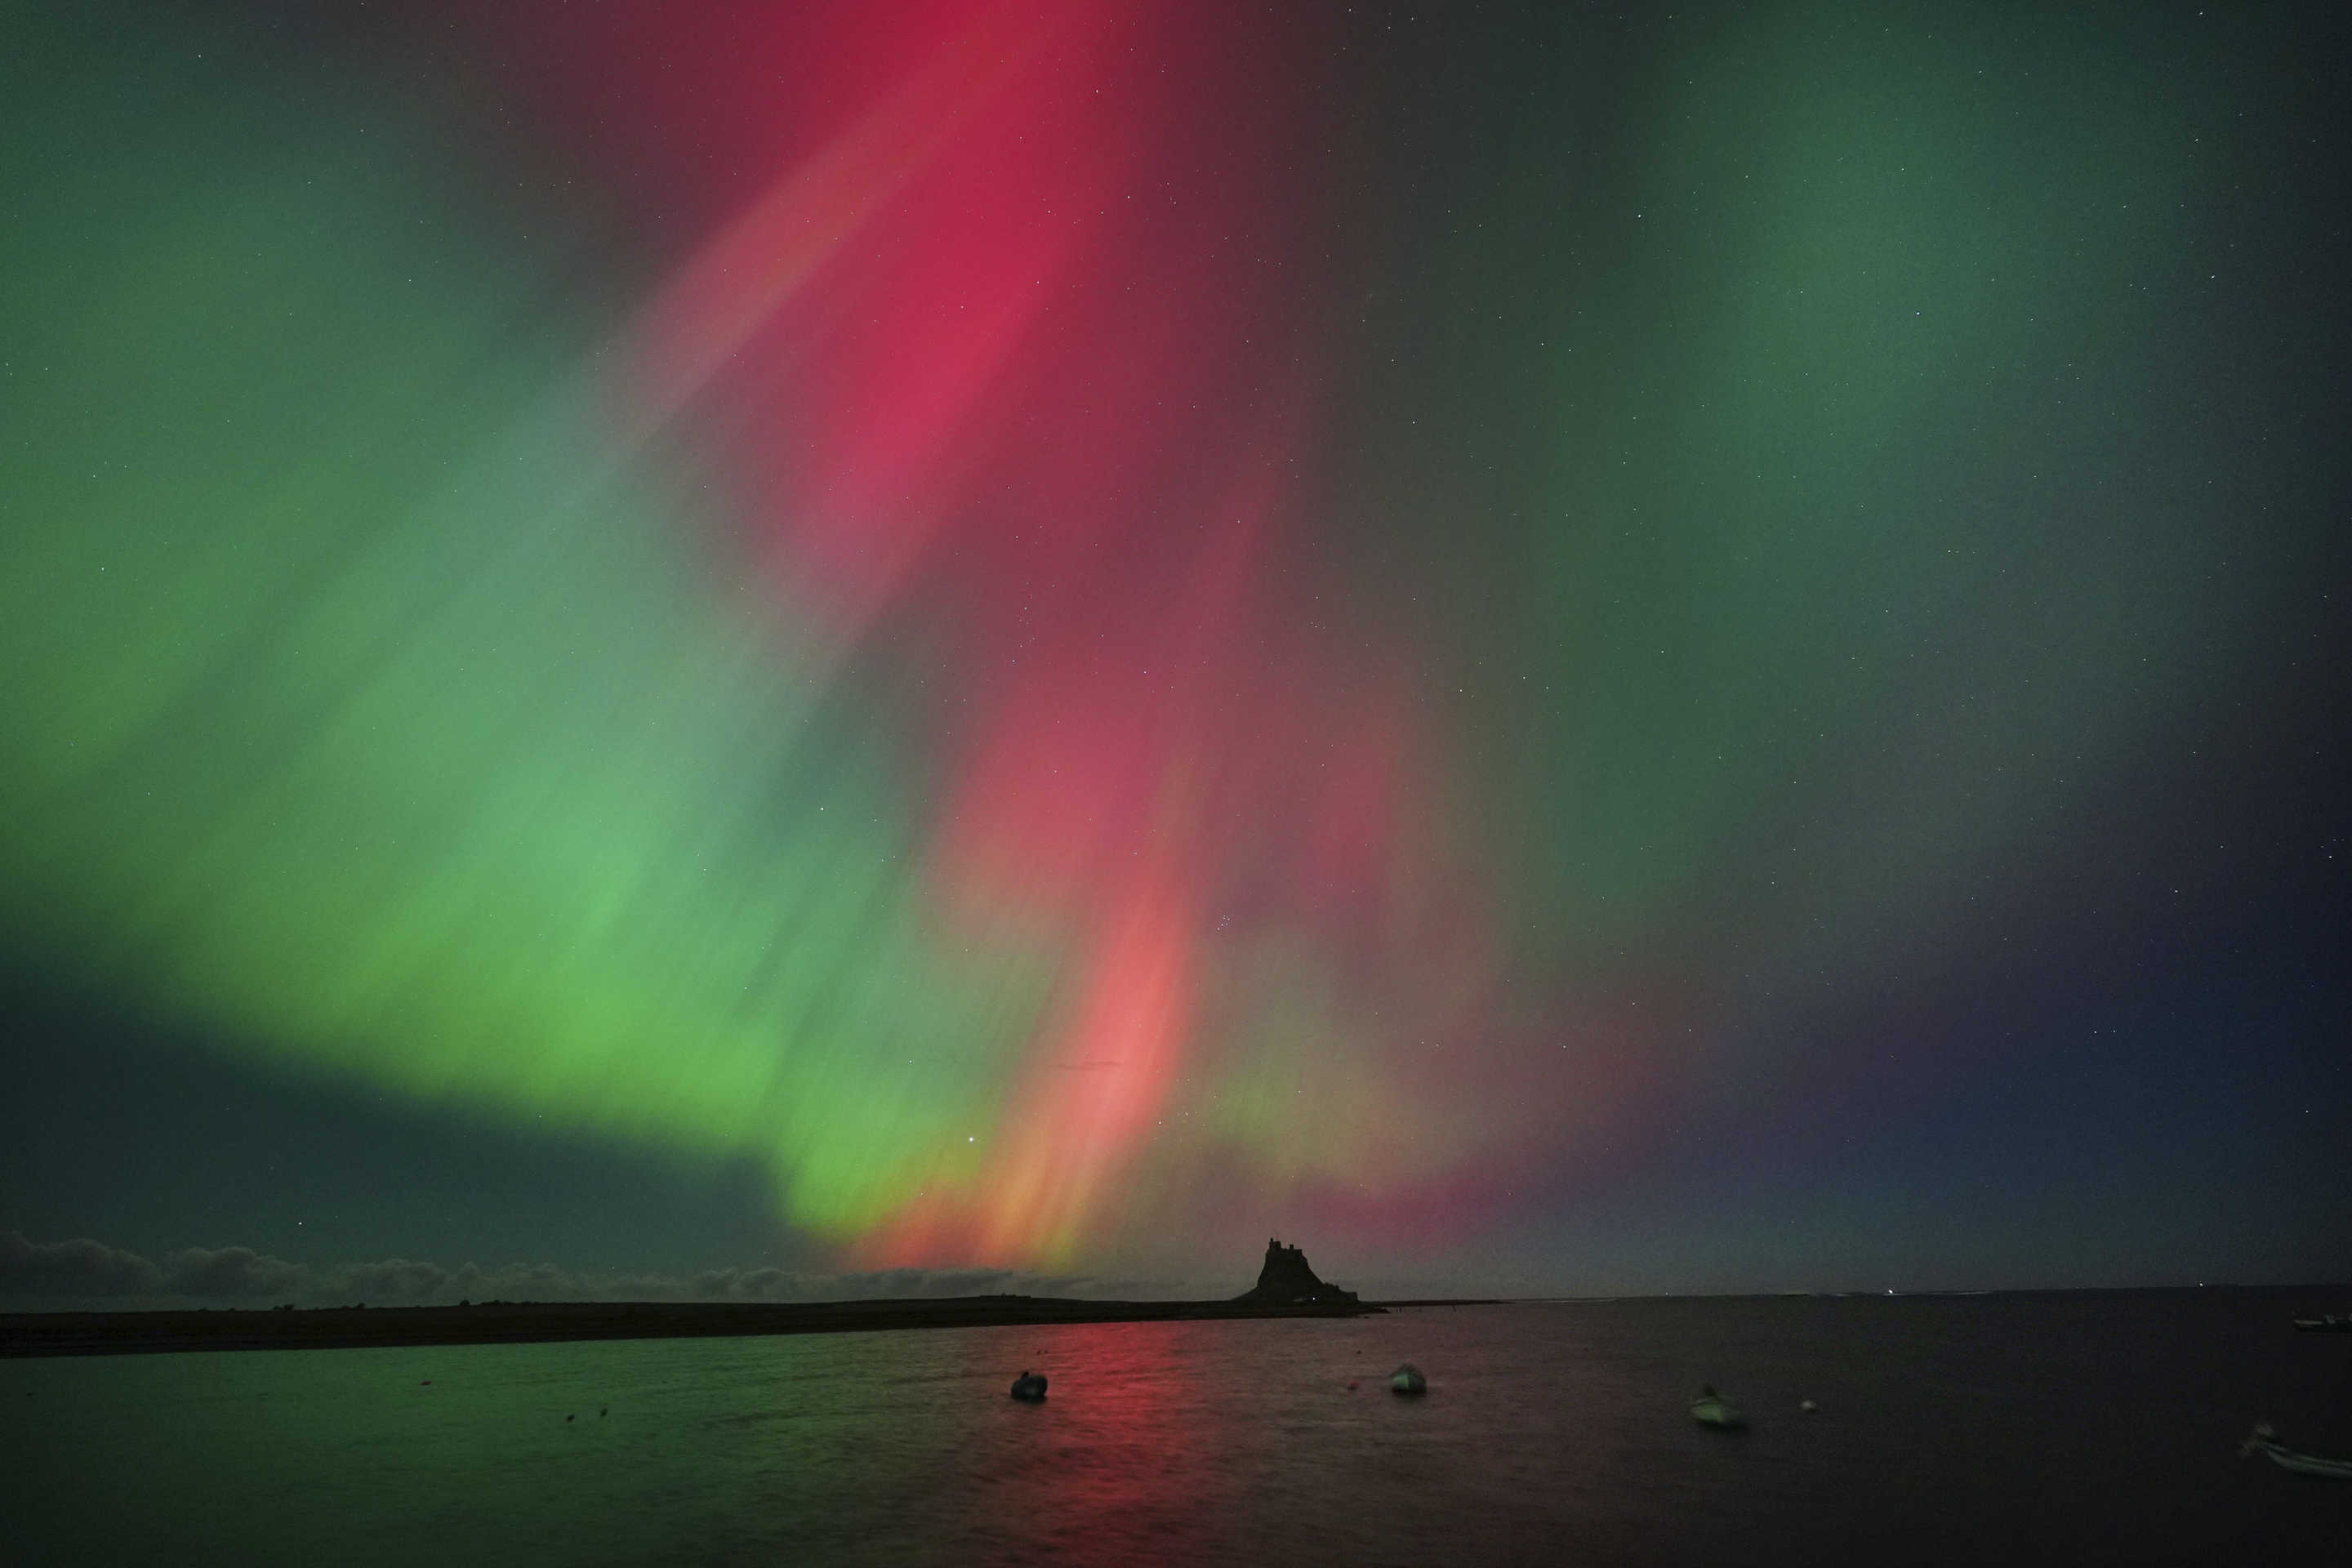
[567, 1420]
[1407, 1379]
[1029, 1385]
[601, 1411]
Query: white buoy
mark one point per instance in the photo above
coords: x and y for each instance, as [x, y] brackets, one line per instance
[1809, 1407]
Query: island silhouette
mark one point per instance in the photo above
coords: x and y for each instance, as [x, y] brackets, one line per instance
[1285, 1280]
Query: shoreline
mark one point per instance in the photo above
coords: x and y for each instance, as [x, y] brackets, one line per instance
[31, 1334]
[171, 1330]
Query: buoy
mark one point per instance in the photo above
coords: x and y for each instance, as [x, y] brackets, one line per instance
[1809, 1407]
[1407, 1379]
[567, 1420]
[1712, 1410]
[1029, 1385]
[1352, 1385]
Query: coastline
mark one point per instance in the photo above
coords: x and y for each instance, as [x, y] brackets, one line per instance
[540, 1323]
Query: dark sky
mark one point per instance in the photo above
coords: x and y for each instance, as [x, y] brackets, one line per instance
[864, 648]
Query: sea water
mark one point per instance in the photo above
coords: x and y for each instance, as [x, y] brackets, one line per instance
[2102, 1428]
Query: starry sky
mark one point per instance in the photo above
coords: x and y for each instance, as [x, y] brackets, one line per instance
[795, 648]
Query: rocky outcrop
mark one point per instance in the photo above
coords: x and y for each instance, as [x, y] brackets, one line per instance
[1287, 1281]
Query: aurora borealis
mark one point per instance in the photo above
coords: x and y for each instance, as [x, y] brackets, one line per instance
[1693, 651]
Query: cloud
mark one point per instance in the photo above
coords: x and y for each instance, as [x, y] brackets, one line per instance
[781, 1285]
[36, 1276]
[396, 1279]
[231, 1273]
[76, 1267]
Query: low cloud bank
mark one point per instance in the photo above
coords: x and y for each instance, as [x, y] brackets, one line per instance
[37, 1276]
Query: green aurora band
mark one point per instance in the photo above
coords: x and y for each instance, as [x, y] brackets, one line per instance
[363, 704]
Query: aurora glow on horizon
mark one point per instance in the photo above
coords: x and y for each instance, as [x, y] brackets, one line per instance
[1082, 631]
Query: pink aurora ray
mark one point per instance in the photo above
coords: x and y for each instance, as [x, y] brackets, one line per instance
[1003, 321]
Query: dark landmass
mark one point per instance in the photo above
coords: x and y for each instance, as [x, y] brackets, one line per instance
[1286, 1287]
[535, 1322]
[1285, 1280]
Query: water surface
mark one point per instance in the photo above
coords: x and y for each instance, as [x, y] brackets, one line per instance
[1973, 1429]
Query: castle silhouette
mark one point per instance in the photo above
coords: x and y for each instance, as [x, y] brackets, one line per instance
[1287, 1279]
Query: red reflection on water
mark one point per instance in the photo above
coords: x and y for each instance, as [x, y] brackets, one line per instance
[1127, 1459]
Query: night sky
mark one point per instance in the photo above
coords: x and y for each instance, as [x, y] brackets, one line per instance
[782, 649]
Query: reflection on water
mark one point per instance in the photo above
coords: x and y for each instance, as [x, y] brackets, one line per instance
[1949, 1431]
[1125, 1457]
